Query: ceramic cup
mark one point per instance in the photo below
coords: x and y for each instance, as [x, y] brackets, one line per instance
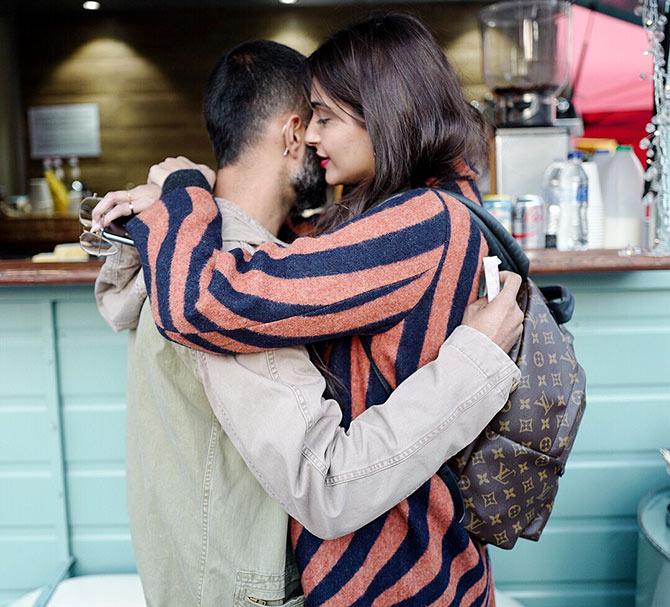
[40, 196]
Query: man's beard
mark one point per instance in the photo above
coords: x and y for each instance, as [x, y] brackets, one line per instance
[309, 184]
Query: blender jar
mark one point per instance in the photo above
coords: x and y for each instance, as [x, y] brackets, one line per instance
[527, 47]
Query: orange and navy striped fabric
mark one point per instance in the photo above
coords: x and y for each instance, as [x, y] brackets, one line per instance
[399, 276]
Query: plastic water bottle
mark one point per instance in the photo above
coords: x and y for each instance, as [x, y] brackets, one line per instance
[622, 198]
[552, 194]
[566, 193]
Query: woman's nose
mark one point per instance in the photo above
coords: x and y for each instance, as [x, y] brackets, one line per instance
[311, 135]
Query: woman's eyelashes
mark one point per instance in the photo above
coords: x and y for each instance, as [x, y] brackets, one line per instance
[323, 115]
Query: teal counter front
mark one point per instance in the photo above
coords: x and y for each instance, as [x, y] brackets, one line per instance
[62, 428]
[587, 554]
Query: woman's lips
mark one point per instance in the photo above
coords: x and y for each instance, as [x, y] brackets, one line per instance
[324, 162]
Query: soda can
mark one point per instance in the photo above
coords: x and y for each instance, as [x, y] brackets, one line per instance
[528, 221]
[500, 206]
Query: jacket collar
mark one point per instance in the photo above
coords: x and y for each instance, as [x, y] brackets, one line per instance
[238, 226]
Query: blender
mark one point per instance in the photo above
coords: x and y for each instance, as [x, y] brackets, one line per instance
[527, 48]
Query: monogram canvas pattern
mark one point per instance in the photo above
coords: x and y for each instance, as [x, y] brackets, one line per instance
[509, 476]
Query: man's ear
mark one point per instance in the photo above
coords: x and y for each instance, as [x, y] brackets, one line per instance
[294, 136]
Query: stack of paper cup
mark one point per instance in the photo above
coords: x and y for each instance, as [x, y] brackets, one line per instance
[40, 197]
[595, 214]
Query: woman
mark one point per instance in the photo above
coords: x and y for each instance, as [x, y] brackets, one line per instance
[392, 274]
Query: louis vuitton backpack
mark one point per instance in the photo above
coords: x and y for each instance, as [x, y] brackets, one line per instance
[505, 482]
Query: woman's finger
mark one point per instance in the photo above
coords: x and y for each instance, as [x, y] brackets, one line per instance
[108, 201]
[120, 210]
[208, 173]
[478, 303]
[510, 284]
[157, 174]
[510, 278]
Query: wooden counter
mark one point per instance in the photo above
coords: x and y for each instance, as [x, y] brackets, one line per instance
[23, 272]
[28, 235]
[551, 261]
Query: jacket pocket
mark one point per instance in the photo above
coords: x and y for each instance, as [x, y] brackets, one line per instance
[297, 601]
[269, 590]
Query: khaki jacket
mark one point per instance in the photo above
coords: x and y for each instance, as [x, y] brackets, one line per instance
[272, 413]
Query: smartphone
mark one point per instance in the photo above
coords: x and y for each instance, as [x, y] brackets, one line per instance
[115, 231]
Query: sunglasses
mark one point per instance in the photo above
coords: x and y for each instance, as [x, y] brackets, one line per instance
[101, 243]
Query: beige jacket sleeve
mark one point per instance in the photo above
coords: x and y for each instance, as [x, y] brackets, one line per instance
[334, 481]
[120, 290]
[271, 405]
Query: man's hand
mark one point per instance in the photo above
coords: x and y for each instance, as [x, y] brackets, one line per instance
[124, 202]
[502, 319]
[159, 172]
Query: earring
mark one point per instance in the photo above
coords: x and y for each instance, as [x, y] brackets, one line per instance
[285, 152]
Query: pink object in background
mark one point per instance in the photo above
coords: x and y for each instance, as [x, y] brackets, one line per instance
[610, 78]
[612, 98]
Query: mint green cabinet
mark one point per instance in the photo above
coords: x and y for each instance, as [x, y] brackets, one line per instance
[62, 427]
[586, 556]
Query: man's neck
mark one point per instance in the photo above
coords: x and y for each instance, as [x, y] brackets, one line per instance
[256, 187]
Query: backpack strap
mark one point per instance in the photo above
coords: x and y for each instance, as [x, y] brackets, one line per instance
[560, 301]
[501, 242]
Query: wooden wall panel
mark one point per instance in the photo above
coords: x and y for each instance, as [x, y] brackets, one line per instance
[11, 169]
[146, 71]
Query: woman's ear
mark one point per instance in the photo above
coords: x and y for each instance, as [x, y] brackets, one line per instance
[294, 136]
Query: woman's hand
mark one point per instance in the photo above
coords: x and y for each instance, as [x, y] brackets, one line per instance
[124, 203]
[159, 172]
[502, 319]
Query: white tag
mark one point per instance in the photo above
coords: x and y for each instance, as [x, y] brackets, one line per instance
[492, 277]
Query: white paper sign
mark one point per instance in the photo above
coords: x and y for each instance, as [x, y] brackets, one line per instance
[64, 130]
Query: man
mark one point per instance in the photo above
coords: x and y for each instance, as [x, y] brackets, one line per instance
[208, 435]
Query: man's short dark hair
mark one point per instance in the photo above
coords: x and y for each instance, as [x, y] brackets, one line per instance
[251, 83]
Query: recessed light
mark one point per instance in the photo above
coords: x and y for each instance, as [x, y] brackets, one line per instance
[288, 1]
[91, 5]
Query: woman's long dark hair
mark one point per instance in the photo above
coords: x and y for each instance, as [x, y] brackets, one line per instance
[392, 73]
